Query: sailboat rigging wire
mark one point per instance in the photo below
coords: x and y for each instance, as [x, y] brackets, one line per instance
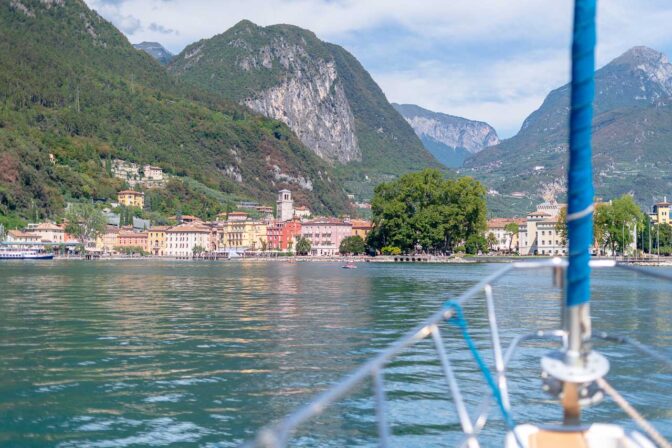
[458, 319]
[633, 414]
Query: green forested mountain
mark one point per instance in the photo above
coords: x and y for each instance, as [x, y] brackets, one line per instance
[72, 86]
[318, 89]
[632, 137]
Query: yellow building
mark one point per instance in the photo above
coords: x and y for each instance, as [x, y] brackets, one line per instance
[661, 213]
[156, 240]
[238, 234]
[131, 198]
[107, 241]
[360, 227]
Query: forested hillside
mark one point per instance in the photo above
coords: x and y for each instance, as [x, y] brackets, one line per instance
[73, 87]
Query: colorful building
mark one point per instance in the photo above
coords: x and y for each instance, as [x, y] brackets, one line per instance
[108, 240]
[361, 228]
[325, 234]
[131, 198]
[182, 239]
[129, 238]
[282, 235]
[242, 234]
[661, 212]
[156, 240]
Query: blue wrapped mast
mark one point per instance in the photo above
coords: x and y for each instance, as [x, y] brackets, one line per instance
[580, 182]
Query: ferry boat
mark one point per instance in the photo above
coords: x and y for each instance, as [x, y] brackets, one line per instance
[572, 372]
[25, 254]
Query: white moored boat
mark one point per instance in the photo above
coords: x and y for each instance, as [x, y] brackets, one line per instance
[24, 254]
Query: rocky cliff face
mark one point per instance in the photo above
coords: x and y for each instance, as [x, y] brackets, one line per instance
[450, 139]
[318, 89]
[310, 99]
[632, 125]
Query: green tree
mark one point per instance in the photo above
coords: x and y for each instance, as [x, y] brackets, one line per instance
[302, 246]
[197, 250]
[427, 209]
[352, 245]
[491, 240]
[512, 229]
[476, 244]
[85, 222]
[614, 223]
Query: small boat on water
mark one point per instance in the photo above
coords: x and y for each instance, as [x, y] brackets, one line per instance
[349, 265]
[15, 254]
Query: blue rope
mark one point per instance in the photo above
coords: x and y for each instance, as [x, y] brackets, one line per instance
[458, 319]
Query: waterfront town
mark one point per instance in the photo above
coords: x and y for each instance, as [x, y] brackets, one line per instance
[263, 230]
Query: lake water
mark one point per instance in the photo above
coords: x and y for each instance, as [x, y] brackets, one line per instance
[163, 353]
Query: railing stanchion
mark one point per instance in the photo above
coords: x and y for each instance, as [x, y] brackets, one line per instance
[465, 420]
[497, 347]
[381, 414]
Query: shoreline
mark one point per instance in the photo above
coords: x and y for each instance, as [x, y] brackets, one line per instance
[389, 259]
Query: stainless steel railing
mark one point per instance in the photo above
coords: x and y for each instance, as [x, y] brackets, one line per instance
[278, 434]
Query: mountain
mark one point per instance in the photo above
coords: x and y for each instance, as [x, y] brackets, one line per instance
[75, 94]
[632, 130]
[318, 89]
[450, 139]
[155, 50]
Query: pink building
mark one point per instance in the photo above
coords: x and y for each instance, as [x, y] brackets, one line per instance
[325, 234]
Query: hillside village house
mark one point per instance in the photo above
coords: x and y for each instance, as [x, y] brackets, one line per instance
[325, 234]
[48, 232]
[131, 198]
[301, 212]
[506, 241]
[152, 172]
[182, 239]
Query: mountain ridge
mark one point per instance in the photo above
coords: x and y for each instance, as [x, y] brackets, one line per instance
[285, 72]
[86, 96]
[632, 126]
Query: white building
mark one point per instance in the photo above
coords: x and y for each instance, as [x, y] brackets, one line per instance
[48, 232]
[181, 240]
[539, 236]
[285, 205]
[152, 172]
[506, 241]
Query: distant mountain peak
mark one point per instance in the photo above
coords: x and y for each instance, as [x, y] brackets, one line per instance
[155, 50]
[449, 138]
[639, 55]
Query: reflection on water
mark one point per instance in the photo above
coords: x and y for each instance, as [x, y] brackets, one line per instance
[115, 354]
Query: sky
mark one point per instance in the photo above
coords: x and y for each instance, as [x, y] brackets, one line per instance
[488, 60]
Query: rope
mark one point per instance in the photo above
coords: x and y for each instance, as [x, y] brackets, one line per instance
[458, 319]
[633, 414]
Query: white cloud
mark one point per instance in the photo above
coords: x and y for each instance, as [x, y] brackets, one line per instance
[490, 60]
